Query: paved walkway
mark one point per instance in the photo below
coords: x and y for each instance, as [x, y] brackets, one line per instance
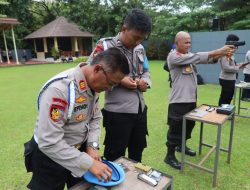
[29, 62]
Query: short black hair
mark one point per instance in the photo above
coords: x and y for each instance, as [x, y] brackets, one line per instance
[112, 59]
[138, 19]
[232, 37]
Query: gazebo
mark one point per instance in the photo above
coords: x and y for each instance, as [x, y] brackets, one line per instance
[6, 24]
[62, 35]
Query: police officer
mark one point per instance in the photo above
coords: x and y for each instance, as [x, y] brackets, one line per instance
[246, 71]
[183, 93]
[125, 112]
[66, 136]
[228, 74]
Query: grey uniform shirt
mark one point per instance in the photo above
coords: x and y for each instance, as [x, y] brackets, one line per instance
[246, 70]
[228, 68]
[184, 80]
[56, 134]
[121, 99]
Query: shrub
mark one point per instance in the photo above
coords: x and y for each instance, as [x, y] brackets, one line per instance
[81, 59]
[152, 50]
[163, 51]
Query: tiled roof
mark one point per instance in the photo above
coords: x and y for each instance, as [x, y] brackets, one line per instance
[59, 28]
[5, 23]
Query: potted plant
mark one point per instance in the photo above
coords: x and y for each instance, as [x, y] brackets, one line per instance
[55, 53]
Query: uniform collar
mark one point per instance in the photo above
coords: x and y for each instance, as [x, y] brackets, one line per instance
[120, 45]
[118, 41]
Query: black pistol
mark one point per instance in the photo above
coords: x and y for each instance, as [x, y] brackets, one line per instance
[235, 43]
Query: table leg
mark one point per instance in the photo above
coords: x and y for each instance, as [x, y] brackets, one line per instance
[216, 161]
[171, 185]
[239, 101]
[183, 144]
[201, 138]
[230, 140]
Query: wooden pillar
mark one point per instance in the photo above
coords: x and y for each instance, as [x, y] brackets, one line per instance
[34, 40]
[76, 47]
[76, 44]
[80, 42]
[55, 43]
[45, 46]
[14, 43]
[6, 48]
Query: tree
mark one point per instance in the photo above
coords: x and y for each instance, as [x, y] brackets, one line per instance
[189, 6]
[20, 10]
[46, 11]
[3, 2]
[235, 13]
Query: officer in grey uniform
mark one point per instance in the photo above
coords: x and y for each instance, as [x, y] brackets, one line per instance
[228, 74]
[125, 112]
[67, 132]
[183, 95]
[246, 71]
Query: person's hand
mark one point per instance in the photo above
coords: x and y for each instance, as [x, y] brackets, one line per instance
[129, 83]
[93, 153]
[227, 50]
[142, 85]
[101, 170]
[242, 66]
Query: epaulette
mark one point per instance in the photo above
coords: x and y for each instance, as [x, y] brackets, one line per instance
[103, 40]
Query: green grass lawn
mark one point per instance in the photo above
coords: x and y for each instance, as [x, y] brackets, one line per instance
[19, 87]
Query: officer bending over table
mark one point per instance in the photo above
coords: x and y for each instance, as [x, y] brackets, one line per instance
[67, 130]
[183, 95]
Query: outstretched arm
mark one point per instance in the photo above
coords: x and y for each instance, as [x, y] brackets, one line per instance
[224, 51]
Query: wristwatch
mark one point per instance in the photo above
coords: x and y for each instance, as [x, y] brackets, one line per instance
[94, 145]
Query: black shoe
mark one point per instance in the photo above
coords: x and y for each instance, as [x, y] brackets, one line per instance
[172, 161]
[188, 151]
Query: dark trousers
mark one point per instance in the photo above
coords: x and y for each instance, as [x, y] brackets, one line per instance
[227, 91]
[124, 130]
[47, 174]
[246, 92]
[176, 111]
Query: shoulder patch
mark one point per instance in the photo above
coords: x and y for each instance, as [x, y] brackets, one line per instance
[61, 101]
[56, 112]
[99, 48]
